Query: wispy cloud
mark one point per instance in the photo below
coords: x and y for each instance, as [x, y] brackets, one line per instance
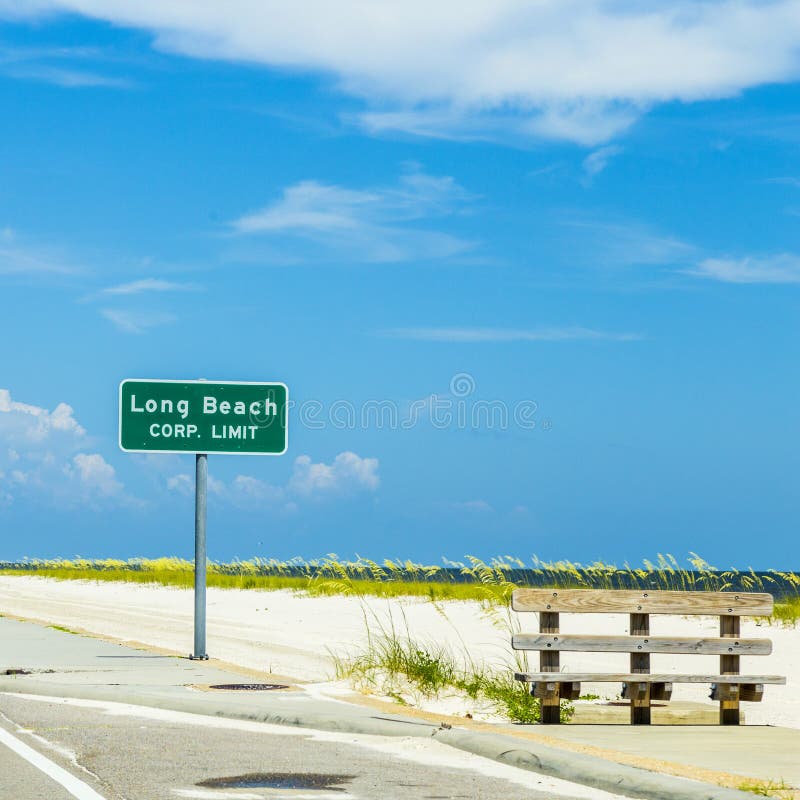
[473, 507]
[585, 122]
[581, 70]
[786, 180]
[60, 66]
[18, 257]
[474, 335]
[632, 244]
[626, 243]
[548, 169]
[69, 78]
[370, 225]
[598, 160]
[148, 285]
[137, 321]
[781, 268]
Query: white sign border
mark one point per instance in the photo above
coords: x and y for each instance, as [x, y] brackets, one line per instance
[200, 452]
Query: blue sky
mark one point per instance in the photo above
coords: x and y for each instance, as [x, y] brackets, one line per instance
[582, 217]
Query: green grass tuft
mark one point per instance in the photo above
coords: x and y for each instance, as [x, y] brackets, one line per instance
[62, 629]
[396, 665]
[779, 789]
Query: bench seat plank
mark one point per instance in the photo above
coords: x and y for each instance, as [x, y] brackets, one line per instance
[625, 601]
[641, 644]
[633, 677]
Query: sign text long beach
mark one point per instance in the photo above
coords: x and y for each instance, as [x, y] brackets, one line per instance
[202, 417]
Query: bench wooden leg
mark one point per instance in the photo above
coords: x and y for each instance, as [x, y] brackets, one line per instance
[729, 665]
[549, 695]
[640, 662]
[549, 662]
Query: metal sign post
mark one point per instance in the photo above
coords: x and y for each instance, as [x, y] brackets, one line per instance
[200, 495]
[202, 417]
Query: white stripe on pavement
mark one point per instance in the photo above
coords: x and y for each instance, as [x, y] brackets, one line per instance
[77, 788]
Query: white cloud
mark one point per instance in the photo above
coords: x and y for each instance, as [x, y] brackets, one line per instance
[43, 454]
[573, 69]
[148, 285]
[348, 474]
[471, 335]
[22, 424]
[130, 321]
[781, 268]
[365, 224]
[94, 475]
[182, 484]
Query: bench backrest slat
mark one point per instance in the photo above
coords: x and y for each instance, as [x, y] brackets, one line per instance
[648, 644]
[624, 601]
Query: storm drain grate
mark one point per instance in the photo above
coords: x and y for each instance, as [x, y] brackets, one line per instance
[248, 687]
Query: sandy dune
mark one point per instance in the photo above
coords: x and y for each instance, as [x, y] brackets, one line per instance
[294, 635]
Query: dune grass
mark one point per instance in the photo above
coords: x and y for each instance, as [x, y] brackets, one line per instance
[405, 667]
[787, 612]
[472, 579]
[396, 667]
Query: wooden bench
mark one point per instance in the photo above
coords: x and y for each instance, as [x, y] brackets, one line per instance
[641, 686]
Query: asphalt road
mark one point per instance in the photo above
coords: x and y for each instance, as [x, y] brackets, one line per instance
[119, 752]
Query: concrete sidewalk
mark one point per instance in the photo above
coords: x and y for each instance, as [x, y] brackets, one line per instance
[654, 762]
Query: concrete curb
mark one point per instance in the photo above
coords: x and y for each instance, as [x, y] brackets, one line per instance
[585, 769]
[218, 706]
[579, 768]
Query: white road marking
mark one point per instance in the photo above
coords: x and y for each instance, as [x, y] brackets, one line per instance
[424, 751]
[77, 788]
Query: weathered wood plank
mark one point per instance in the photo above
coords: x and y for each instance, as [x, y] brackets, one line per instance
[623, 601]
[662, 677]
[648, 644]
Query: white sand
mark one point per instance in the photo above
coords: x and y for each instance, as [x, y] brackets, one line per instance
[294, 635]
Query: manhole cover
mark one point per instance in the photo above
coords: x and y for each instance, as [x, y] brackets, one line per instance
[279, 780]
[248, 687]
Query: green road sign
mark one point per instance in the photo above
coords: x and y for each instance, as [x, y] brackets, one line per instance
[203, 417]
